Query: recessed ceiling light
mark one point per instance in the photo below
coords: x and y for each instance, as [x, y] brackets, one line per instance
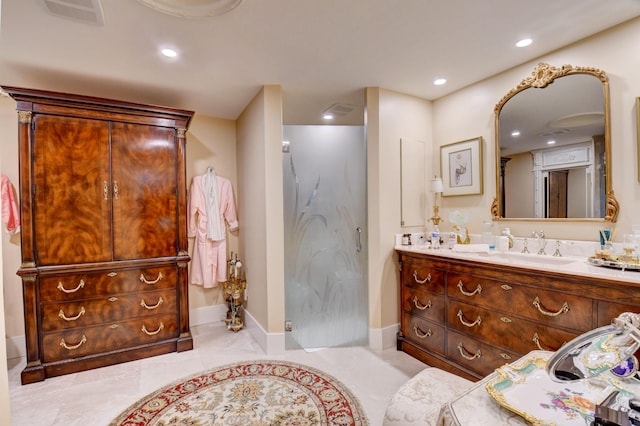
[169, 53]
[328, 116]
[439, 81]
[515, 133]
[551, 142]
[524, 42]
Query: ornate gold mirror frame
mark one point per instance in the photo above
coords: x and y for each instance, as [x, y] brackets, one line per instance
[541, 77]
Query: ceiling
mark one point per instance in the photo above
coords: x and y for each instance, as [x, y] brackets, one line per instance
[320, 52]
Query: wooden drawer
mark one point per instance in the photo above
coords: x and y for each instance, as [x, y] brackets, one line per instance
[520, 335]
[423, 276]
[78, 342]
[426, 334]
[475, 355]
[85, 285]
[607, 311]
[82, 313]
[423, 304]
[560, 309]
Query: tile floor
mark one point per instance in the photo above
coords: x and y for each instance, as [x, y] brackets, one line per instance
[95, 397]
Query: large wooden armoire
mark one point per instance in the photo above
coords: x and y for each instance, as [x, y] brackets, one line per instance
[104, 238]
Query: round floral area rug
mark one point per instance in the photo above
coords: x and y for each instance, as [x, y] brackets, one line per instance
[252, 393]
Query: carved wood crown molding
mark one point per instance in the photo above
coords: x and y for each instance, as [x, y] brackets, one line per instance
[544, 75]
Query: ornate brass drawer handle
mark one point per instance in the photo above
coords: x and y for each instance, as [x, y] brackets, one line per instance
[506, 287]
[420, 333]
[146, 281]
[506, 320]
[536, 340]
[478, 289]
[505, 356]
[151, 333]
[61, 287]
[72, 347]
[478, 320]
[564, 309]
[64, 317]
[419, 281]
[464, 353]
[144, 305]
[418, 305]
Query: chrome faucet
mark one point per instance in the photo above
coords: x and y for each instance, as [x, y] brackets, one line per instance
[542, 242]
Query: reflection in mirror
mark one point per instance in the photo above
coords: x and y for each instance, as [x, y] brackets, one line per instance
[553, 147]
[412, 180]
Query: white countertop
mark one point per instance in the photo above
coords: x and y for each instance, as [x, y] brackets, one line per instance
[569, 265]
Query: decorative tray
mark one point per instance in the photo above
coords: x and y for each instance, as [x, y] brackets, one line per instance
[525, 388]
[613, 264]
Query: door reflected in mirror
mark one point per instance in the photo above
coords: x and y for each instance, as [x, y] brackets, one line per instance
[553, 147]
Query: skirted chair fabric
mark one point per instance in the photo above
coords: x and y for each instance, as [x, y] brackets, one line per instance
[419, 400]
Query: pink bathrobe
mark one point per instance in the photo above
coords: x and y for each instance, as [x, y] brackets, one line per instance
[10, 212]
[209, 260]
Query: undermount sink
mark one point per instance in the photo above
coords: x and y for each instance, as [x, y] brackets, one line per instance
[530, 258]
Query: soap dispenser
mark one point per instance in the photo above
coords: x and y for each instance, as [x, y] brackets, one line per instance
[507, 233]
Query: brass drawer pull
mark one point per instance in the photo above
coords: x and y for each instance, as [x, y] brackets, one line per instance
[478, 320]
[112, 274]
[478, 289]
[564, 309]
[506, 287]
[536, 340]
[505, 320]
[505, 356]
[146, 281]
[422, 334]
[419, 281]
[151, 333]
[105, 190]
[72, 347]
[61, 287]
[115, 189]
[64, 317]
[112, 299]
[144, 305]
[464, 353]
[417, 304]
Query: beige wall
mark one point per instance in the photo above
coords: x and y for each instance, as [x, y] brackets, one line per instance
[468, 113]
[211, 142]
[391, 116]
[259, 150]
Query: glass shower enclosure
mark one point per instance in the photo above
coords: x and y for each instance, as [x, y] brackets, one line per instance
[324, 173]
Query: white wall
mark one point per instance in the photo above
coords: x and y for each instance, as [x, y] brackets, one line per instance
[468, 113]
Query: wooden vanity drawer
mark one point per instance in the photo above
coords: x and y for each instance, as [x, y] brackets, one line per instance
[561, 309]
[84, 285]
[423, 304]
[607, 311]
[476, 355]
[82, 313]
[506, 330]
[423, 276]
[426, 334]
[78, 342]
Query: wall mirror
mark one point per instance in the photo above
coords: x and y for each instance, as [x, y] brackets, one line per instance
[553, 147]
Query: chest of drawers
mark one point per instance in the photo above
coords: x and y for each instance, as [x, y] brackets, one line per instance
[471, 317]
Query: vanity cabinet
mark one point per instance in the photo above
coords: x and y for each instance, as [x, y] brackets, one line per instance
[103, 240]
[470, 317]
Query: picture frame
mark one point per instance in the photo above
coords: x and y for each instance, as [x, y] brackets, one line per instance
[461, 167]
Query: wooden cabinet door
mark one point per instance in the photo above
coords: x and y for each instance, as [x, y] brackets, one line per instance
[144, 178]
[72, 198]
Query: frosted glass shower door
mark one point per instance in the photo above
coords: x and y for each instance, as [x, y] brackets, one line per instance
[324, 172]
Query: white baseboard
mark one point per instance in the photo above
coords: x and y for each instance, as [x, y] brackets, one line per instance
[383, 338]
[271, 343]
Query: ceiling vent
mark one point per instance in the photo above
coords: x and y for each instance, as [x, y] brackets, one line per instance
[85, 11]
[339, 109]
